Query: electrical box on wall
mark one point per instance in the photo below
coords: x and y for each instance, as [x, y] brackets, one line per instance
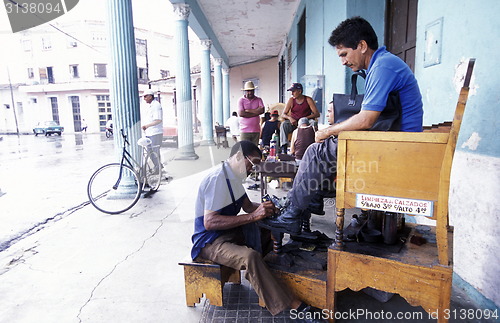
[433, 42]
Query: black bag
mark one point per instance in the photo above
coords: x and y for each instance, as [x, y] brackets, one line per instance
[347, 105]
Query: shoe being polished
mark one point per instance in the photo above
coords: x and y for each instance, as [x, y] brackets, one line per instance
[289, 221]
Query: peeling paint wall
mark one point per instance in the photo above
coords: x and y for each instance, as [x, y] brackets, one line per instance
[474, 214]
[473, 205]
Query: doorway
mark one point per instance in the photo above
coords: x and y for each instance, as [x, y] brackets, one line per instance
[75, 104]
[401, 29]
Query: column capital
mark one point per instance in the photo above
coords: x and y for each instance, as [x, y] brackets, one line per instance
[205, 44]
[225, 71]
[218, 61]
[182, 10]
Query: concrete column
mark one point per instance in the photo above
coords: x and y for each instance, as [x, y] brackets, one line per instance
[225, 94]
[207, 124]
[219, 116]
[123, 76]
[183, 84]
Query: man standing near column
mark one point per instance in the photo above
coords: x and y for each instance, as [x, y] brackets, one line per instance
[152, 122]
[250, 107]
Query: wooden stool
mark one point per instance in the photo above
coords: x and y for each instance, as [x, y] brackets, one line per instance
[220, 133]
[207, 278]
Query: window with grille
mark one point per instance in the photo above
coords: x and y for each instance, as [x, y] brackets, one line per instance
[46, 43]
[73, 71]
[164, 73]
[143, 75]
[104, 110]
[100, 70]
[55, 109]
[141, 47]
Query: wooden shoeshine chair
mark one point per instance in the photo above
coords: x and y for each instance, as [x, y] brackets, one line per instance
[413, 171]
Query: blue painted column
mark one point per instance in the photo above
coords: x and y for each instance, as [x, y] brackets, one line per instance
[183, 84]
[123, 76]
[206, 95]
[226, 107]
[219, 116]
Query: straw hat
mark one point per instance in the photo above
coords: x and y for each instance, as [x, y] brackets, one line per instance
[248, 86]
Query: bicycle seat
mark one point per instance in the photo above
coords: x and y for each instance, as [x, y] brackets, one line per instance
[144, 142]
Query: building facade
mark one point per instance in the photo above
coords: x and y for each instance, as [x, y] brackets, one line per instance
[62, 75]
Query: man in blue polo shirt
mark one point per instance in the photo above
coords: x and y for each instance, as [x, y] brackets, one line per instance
[357, 46]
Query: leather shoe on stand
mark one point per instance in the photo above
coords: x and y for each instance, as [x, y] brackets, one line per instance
[289, 221]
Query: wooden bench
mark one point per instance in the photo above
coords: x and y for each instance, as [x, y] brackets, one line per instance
[307, 285]
[207, 278]
[400, 172]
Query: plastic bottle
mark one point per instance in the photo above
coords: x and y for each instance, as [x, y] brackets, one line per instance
[272, 149]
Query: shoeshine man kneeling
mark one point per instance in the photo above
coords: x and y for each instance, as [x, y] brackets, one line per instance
[223, 235]
[357, 46]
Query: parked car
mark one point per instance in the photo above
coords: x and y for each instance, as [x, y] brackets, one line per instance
[48, 128]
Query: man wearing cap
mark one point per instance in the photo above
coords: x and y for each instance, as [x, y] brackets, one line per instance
[250, 107]
[298, 106]
[302, 137]
[269, 128]
[152, 122]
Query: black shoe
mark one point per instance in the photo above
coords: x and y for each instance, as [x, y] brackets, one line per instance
[289, 221]
[317, 205]
[254, 187]
[310, 314]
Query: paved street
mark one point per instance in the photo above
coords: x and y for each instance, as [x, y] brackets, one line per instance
[46, 178]
[88, 266]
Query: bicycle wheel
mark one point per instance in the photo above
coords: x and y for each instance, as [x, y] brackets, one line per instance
[112, 194]
[153, 173]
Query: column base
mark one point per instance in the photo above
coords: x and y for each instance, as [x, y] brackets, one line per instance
[207, 142]
[186, 156]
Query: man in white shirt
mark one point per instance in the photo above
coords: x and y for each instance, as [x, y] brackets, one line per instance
[152, 122]
[234, 126]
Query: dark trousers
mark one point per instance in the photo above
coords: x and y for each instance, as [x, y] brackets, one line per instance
[318, 166]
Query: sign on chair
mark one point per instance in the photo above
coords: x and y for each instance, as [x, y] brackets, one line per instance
[394, 204]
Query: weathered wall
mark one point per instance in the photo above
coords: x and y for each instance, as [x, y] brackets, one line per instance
[265, 71]
[468, 31]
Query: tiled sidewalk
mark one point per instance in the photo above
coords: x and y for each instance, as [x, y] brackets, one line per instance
[241, 304]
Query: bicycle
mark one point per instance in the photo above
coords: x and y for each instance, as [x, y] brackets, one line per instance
[109, 132]
[115, 188]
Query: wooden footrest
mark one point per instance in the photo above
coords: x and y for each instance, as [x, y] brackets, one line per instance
[207, 278]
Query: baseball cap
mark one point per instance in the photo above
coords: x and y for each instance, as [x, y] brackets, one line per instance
[303, 120]
[295, 86]
[275, 112]
[148, 92]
